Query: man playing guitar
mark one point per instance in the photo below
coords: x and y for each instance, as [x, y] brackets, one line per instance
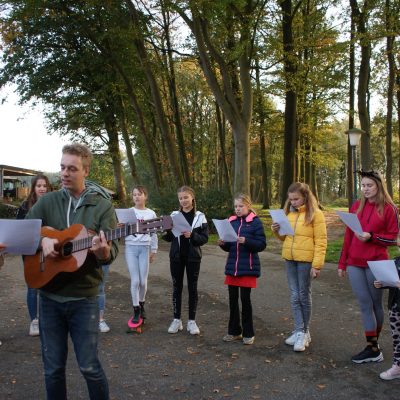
[68, 302]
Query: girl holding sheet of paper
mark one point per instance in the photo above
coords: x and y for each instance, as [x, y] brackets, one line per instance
[140, 251]
[394, 320]
[243, 268]
[379, 220]
[185, 253]
[304, 254]
[40, 185]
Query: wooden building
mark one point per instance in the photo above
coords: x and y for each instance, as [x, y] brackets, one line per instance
[12, 183]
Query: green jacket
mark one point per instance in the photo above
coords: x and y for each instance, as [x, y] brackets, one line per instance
[93, 210]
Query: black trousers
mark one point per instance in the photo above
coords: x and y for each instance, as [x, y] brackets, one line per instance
[234, 327]
[192, 275]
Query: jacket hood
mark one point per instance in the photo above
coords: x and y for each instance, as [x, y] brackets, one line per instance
[249, 217]
[90, 188]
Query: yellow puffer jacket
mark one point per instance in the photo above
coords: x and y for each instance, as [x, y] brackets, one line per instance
[309, 241]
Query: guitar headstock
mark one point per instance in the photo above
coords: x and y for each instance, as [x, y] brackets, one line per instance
[162, 223]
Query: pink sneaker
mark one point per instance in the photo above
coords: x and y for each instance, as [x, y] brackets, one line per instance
[391, 373]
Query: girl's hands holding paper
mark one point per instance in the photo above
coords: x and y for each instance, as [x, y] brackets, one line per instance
[275, 227]
[364, 237]
[377, 284]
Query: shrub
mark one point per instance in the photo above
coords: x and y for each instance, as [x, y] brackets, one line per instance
[214, 203]
[8, 211]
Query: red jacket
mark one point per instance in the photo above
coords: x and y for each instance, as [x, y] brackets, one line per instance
[384, 229]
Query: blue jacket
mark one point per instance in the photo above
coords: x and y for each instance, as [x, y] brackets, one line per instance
[243, 258]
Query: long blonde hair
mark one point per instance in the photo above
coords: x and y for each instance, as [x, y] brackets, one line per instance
[310, 202]
[246, 200]
[382, 195]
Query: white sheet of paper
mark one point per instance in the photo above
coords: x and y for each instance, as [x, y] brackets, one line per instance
[385, 271]
[21, 236]
[279, 217]
[180, 225]
[351, 220]
[225, 230]
[126, 215]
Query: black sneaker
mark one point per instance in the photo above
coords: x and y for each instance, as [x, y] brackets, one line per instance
[368, 355]
[142, 311]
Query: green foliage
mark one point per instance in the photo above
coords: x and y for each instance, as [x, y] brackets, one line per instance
[101, 171]
[340, 202]
[214, 203]
[334, 250]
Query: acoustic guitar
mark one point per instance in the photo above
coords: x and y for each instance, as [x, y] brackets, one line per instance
[73, 245]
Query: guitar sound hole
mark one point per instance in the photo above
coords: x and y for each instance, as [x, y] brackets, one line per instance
[67, 249]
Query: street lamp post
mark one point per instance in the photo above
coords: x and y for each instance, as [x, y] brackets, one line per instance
[354, 138]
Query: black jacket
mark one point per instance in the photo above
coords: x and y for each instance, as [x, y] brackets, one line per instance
[198, 238]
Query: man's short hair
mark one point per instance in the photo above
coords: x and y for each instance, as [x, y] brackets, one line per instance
[80, 150]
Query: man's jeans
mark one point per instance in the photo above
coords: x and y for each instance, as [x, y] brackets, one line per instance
[299, 280]
[80, 319]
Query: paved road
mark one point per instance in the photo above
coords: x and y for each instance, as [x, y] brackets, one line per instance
[156, 365]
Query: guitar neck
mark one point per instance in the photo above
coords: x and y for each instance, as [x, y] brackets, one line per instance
[140, 227]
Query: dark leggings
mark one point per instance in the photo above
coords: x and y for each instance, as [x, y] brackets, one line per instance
[192, 274]
[234, 327]
[369, 299]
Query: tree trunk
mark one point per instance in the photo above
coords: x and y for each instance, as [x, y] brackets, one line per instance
[262, 128]
[237, 105]
[221, 137]
[174, 100]
[350, 181]
[390, 92]
[110, 124]
[127, 141]
[363, 81]
[289, 147]
[156, 95]
[398, 115]
[242, 158]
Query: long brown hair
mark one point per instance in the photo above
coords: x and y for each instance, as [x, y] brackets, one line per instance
[32, 197]
[191, 191]
[382, 195]
[310, 202]
[141, 189]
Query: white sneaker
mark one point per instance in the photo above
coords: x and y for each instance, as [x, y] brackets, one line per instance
[291, 339]
[301, 341]
[192, 327]
[248, 340]
[176, 325]
[34, 328]
[308, 338]
[103, 327]
[391, 373]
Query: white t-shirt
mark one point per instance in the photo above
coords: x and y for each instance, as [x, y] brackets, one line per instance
[143, 239]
